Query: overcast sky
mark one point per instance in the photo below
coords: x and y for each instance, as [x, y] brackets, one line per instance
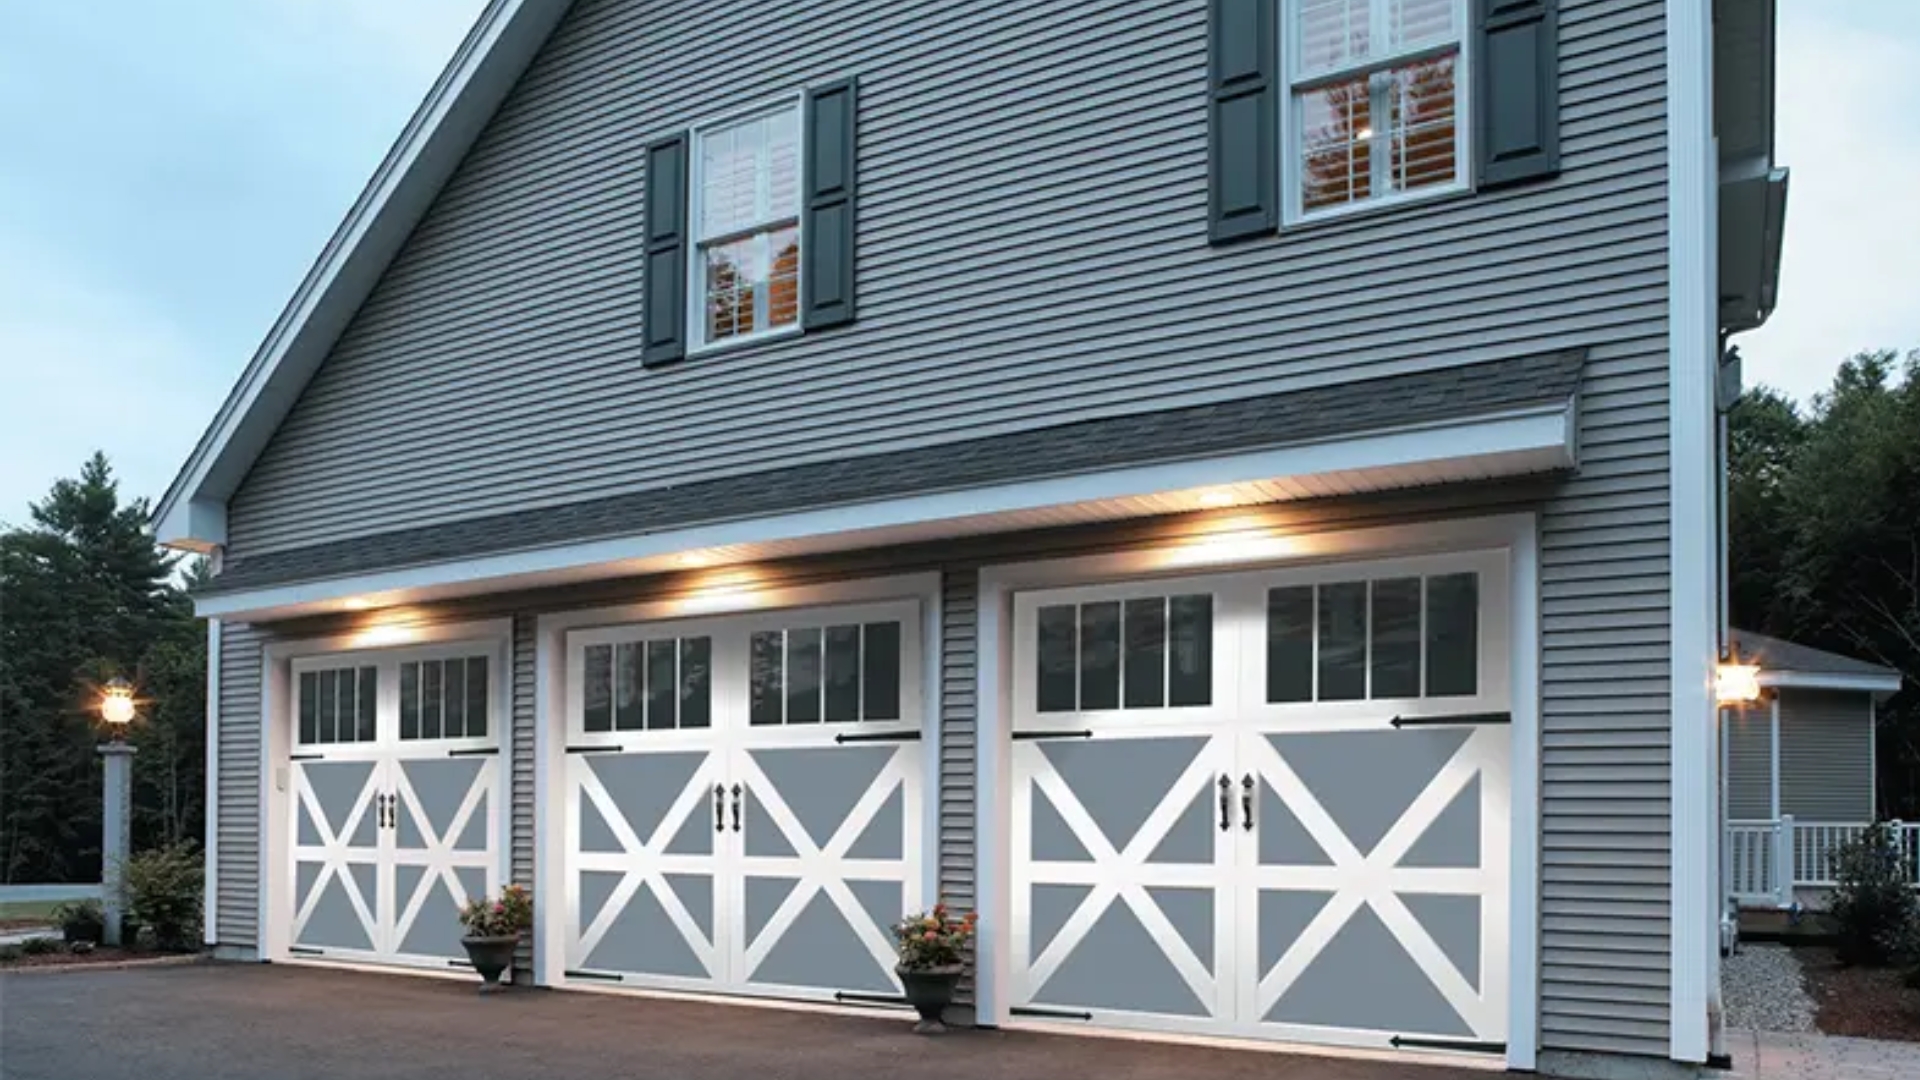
[171, 169]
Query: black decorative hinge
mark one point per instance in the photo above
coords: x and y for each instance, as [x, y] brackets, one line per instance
[1451, 721]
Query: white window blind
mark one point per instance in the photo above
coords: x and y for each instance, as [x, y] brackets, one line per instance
[1377, 100]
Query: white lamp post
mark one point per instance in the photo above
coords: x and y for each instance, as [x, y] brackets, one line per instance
[117, 709]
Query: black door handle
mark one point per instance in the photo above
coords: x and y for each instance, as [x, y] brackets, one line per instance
[1226, 802]
[1246, 801]
[736, 808]
[719, 808]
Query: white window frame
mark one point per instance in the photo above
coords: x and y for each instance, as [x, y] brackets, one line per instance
[1292, 126]
[698, 241]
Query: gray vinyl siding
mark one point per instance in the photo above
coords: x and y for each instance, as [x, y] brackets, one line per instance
[1826, 756]
[1031, 250]
[521, 773]
[237, 904]
[1749, 779]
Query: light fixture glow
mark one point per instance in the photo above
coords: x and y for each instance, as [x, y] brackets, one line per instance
[694, 560]
[357, 603]
[116, 704]
[1736, 684]
[1213, 500]
[1364, 133]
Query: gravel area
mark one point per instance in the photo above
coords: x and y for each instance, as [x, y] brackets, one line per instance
[1763, 989]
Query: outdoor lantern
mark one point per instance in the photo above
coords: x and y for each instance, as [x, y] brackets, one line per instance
[116, 705]
[1737, 684]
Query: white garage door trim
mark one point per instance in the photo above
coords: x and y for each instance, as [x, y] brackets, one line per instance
[1238, 549]
[710, 595]
[384, 645]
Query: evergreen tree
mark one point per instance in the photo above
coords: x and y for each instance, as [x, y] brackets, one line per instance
[84, 594]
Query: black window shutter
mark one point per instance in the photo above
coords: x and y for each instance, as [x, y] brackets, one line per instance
[827, 214]
[665, 275]
[1243, 119]
[1516, 90]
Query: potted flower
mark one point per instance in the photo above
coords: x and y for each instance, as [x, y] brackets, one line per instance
[932, 948]
[493, 929]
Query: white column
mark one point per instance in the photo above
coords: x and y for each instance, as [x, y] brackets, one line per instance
[116, 830]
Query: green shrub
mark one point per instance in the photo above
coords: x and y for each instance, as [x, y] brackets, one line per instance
[81, 920]
[10, 953]
[1873, 904]
[161, 891]
[41, 946]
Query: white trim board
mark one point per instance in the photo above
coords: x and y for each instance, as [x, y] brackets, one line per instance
[1695, 563]
[1506, 444]
[210, 898]
[488, 62]
[1516, 533]
[1815, 680]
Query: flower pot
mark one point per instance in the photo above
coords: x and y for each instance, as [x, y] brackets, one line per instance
[929, 991]
[490, 957]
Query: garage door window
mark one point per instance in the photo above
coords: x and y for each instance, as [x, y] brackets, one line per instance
[1146, 653]
[337, 706]
[1387, 638]
[443, 699]
[825, 674]
[648, 685]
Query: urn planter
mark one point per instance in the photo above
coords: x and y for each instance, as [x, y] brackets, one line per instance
[929, 991]
[491, 956]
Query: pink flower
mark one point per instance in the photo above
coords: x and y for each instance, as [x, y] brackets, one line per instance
[930, 936]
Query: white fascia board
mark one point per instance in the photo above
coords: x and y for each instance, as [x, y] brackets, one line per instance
[1509, 444]
[1827, 680]
[505, 38]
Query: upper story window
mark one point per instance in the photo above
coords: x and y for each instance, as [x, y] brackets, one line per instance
[746, 225]
[1377, 101]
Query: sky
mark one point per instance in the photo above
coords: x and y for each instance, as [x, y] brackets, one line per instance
[168, 172]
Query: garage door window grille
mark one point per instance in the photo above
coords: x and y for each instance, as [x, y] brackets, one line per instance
[443, 699]
[337, 705]
[648, 685]
[1147, 653]
[1388, 638]
[831, 674]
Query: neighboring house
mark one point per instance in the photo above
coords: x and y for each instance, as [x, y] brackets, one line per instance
[1798, 768]
[1225, 490]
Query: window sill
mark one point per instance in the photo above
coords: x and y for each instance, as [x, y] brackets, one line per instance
[1376, 207]
[745, 341]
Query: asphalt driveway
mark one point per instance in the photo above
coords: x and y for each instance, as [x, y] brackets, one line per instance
[219, 1021]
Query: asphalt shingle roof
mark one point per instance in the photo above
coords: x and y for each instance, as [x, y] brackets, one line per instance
[1773, 654]
[1269, 421]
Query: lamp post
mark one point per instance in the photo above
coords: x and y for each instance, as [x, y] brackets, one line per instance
[117, 710]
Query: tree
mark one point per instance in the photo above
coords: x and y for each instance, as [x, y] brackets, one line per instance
[84, 594]
[1765, 434]
[1826, 534]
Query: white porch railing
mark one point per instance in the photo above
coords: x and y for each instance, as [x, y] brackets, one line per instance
[1757, 851]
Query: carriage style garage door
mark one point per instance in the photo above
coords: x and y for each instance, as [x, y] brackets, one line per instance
[1269, 805]
[742, 801]
[395, 802]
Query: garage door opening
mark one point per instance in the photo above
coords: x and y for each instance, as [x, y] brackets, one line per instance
[1270, 805]
[742, 802]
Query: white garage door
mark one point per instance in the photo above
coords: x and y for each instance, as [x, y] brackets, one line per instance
[743, 801]
[395, 802]
[1268, 805]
